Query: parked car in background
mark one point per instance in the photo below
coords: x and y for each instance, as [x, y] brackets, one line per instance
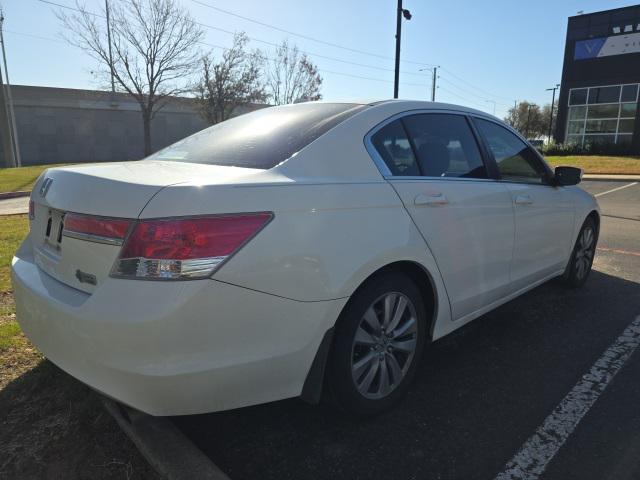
[292, 248]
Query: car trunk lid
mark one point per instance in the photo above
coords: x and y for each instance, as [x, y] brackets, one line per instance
[111, 190]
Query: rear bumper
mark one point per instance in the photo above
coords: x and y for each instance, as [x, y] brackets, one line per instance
[172, 348]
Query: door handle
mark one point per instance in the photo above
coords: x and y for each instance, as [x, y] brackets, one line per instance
[523, 200]
[435, 198]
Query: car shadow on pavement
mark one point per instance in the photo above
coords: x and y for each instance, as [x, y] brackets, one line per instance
[478, 395]
[53, 426]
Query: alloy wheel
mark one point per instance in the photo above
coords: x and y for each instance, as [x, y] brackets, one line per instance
[585, 252]
[384, 345]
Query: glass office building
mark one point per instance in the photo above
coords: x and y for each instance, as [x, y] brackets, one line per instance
[598, 100]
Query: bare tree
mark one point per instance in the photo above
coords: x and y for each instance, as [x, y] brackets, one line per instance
[153, 45]
[234, 80]
[292, 77]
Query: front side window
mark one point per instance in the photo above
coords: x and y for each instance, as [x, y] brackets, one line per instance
[260, 139]
[515, 159]
[445, 146]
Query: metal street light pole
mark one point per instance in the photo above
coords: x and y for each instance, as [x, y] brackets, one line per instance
[434, 76]
[553, 100]
[406, 14]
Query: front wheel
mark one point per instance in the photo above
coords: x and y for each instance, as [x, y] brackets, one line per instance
[582, 256]
[378, 342]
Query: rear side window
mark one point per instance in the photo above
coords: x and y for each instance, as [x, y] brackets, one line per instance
[515, 159]
[260, 139]
[445, 146]
[393, 145]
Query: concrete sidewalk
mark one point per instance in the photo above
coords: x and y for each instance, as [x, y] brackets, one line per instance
[609, 177]
[14, 206]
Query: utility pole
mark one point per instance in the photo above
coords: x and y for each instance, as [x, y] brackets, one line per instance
[433, 84]
[526, 130]
[8, 101]
[406, 14]
[5, 130]
[434, 73]
[553, 100]
[106, 9]
[494, 106]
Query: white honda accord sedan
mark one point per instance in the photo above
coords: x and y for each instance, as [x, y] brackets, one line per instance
[292, 252]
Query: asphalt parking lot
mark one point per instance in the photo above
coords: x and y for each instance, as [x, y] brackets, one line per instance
[484, 396]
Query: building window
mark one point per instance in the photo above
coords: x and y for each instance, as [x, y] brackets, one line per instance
[603, 114]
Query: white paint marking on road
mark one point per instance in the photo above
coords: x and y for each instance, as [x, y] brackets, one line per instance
[616, 189]
[534, 456]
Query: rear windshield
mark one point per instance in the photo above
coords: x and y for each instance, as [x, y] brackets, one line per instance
[260, 139]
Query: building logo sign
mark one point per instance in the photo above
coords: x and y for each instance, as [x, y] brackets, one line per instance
[607, 46]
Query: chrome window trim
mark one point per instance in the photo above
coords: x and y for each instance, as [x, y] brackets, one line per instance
[384, 169]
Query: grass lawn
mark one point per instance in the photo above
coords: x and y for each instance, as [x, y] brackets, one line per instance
[51, 425]
[22, 178]
[599, 164]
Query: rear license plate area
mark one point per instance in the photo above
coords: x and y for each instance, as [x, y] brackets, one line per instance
[53, 230]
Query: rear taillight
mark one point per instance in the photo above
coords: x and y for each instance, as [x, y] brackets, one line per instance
[32, 210]
[185, 248]
[96, 229]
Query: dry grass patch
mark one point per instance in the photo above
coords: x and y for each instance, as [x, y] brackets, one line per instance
[21, 178]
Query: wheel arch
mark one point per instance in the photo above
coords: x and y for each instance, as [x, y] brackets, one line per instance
[595, 215]
[314, 383]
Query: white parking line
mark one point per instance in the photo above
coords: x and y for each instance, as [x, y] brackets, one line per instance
[536, 453]
[616, 189]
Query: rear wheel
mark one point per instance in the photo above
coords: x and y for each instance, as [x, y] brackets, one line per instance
[378, 342]
[582, 257]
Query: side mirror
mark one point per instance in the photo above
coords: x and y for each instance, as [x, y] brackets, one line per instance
[565, 176]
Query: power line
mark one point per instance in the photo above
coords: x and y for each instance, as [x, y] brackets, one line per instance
[306, 37]
[469, 92]
[49, 39]
[212, 27]
[475, 87]
[311, 54]
[70, 8]
[461, 97]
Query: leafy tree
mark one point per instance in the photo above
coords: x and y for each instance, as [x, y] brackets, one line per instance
[546, 114]
[234, 80]
[528, 119]
[292, 77]
[152, 53]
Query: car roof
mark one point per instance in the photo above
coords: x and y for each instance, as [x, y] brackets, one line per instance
[422, 104]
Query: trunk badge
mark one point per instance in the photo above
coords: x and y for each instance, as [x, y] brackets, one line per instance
[84, 277]
[45, 186]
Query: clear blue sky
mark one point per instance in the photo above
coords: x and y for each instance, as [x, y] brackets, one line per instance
[498, 50]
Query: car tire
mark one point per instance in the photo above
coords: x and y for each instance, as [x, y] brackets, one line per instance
[378, 342]
[581, 260]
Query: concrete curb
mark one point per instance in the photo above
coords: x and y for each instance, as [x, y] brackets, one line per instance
[171, 454]
[8, 195]
[610, 177]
